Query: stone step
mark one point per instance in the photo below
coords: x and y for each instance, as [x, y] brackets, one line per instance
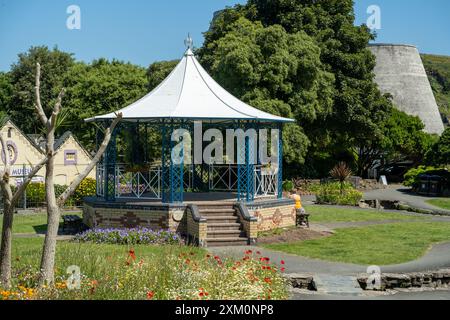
[226, 241]
[222, 219]
[218, 211]
[223, 226]
[218, 205]
[225, 233]
[337, 284]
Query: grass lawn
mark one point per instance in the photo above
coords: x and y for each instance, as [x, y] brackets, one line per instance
[334, 214]
[89, 256]
[165, 272]
[31, 223]
[379, 245]
[440, 203]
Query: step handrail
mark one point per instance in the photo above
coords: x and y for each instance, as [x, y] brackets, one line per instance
[243, 210]
[195, 212]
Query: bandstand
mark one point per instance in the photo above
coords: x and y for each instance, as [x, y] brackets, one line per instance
[139, 183]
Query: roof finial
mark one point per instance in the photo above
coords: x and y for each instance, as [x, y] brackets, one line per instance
[189, 42]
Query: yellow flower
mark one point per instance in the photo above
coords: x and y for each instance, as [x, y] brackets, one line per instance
[60, 285]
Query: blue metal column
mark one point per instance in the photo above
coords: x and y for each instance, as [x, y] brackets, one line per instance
[250, 166]
[110, 168]
[241, 174]
[172, 174]
[98, 182]
[280, 162]
[246, 172]
[164, 173]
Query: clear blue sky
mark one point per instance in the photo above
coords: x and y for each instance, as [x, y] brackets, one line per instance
[143, 31]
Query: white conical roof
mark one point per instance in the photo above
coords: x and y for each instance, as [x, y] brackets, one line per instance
[189, 92]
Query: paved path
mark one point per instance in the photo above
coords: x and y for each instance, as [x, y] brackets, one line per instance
[392, 193]
[60, 237]
[403, 194]
[419, 295]
[336, 280]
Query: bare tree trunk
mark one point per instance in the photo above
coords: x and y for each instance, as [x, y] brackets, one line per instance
[5, 248]
[53, 215]
[9, 203]
[54, 205]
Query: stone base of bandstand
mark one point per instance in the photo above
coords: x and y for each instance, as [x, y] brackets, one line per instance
[257, 216]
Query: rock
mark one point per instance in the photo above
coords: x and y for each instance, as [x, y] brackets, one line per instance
[414, 280]
[364, 205]
[301, 281]
[417, 279]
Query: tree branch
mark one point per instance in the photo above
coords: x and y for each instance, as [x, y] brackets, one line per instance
[21, 189]
[38, 104]
[5, 175]
[71, 189]
[57, 108]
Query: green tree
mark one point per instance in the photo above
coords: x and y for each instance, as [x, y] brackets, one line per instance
[275, 71]
[328, 87]
[6, 92]
[440, 152]
[55, 64]
[98, 88]
[402, 138]
[158, 71]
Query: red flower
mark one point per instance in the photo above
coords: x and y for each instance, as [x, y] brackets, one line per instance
[203, 293]
[267, 280]
[248, 252]
[93, 283]
[150, 295]
[282, 269]
[282, 262]
[131, 254]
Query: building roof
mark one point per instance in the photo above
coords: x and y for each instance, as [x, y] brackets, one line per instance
[189, 92]
[4, 121]
[40, 141]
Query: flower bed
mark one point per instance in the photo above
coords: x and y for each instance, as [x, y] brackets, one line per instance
[129, 236]
[176, 273]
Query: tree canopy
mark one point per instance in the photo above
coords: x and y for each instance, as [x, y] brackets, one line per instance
[439, 153]
[303, 59]
[158, 71]
[55, 64]
[100, 87]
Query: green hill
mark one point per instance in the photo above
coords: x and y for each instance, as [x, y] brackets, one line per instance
[438, 70]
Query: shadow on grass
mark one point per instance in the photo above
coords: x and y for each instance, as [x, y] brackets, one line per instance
[42, 229]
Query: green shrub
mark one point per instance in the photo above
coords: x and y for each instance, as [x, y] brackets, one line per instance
[288, 185]
[36, 193]
[412, 177]
[87, 188]
[337, 194]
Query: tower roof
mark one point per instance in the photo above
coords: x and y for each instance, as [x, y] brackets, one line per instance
[189, 92]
